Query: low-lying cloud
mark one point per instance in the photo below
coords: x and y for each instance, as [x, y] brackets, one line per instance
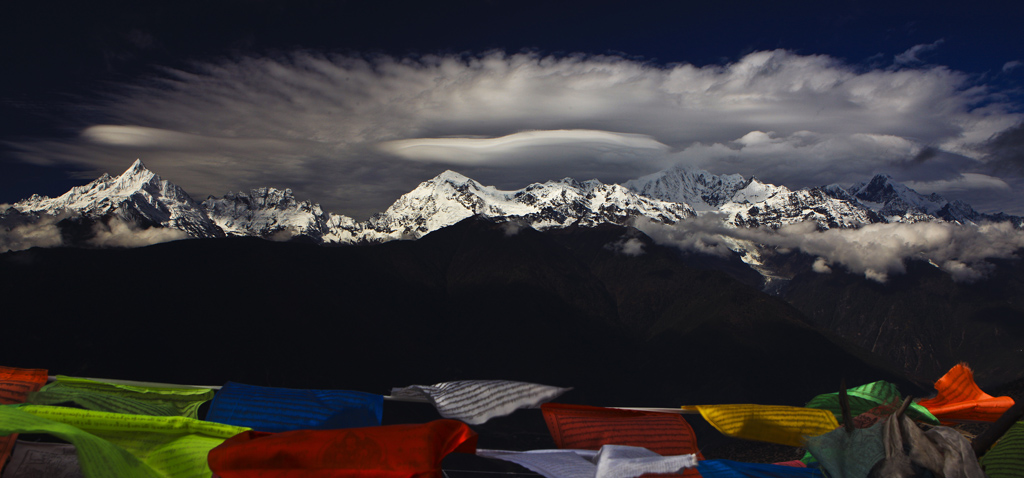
[875, 250]
[353, 133]
[22, 231]
[118, 233]
[19, 233]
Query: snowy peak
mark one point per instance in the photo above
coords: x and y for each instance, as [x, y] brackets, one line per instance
[698, 188]
[142, 198]
[451, 197]
[899, 203]
[137, 196]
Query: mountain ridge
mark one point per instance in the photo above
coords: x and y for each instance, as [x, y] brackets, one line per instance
[142, 198]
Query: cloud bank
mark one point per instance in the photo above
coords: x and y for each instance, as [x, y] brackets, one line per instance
[875, 250]
[19, 232]
[354, 133]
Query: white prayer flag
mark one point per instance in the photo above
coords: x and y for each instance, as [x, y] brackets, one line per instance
[476, 401]
[611, 461]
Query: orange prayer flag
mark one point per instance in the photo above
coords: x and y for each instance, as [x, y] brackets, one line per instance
[960, 399]
[389, 451]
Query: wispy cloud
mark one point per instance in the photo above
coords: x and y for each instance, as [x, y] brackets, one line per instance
[354, 133]
[913, 54]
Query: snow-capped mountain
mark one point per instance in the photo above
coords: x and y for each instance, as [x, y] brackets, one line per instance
[752, 203]
[451, 197]
[898, 203]
[759, 204]
[266, 212]
[137, 196]
[140, 197]
[700, 189]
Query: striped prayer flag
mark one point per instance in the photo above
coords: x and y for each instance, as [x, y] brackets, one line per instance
[1006, 458]
[476, 401]
[272, 409]
[870, 396]
[382, 451]
[590, 428]
[769, 423]
[736, 469]
[122, 398]
[611, 461]
[15, 386]
[123, 445]
[960, 399]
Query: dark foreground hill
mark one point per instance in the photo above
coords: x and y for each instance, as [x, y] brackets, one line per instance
[470, 301]
[922, 321]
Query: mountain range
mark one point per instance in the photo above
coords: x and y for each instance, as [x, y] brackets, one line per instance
[143, 199]
[491, 268]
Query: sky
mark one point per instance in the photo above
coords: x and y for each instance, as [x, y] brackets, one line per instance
[351, 104]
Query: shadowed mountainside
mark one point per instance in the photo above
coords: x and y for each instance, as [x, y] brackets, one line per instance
[469, 301]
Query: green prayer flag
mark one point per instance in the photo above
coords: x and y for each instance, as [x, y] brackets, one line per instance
[122, 398]
[168, 446]
[98, 457]
[1006, 458]
[866, 397]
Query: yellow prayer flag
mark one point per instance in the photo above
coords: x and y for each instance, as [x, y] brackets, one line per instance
[769, 423]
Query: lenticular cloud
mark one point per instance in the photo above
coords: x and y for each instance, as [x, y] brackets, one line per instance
[874, 250]
[328, 125]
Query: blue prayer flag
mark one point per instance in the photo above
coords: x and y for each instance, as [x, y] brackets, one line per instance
[271, 409]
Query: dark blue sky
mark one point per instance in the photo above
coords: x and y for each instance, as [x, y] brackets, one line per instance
[68, 66]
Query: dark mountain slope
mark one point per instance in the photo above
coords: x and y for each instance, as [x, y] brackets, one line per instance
[923, 321]
[468, 301]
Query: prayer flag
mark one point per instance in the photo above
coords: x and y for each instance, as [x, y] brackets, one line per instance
[122, 398]
[41, 459]
[911, 451]
[476, 401]
[15, 385]
[98, 457]
[960, 399]
[736, 469]
[1006, 458]
[611, 461]
[382, 451]
[845, 454]
[138, 445]
[37, 375]
[769, 423]
[271, 409]
[867, 397]
[590, 428]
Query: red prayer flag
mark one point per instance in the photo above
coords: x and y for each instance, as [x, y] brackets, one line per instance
[15, 385]
[389, 451]
[588, 428]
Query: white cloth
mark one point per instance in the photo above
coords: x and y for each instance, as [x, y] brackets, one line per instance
[611, 461]
[476, 401]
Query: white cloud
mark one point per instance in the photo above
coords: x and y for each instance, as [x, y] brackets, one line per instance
[1011, 65]
[336, 129]
[524, 147]
[876, 250]
[20, 233]
[118, 233]
[965, 182]
[630, 247]
[913, 55]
